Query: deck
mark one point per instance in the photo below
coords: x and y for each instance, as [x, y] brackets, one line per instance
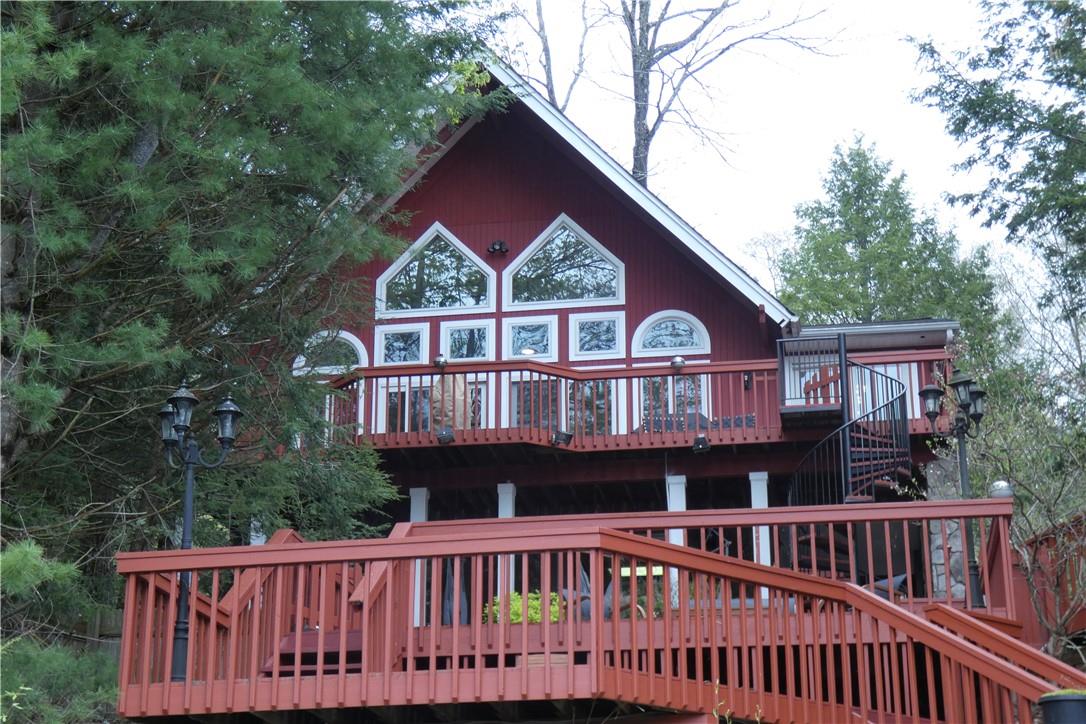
[501, 612]
[516, 402]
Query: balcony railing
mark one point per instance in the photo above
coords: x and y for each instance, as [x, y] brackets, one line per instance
[910, 553]
[521, 402]
[556, 614]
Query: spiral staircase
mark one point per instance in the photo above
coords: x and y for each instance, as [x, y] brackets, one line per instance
[868, 451]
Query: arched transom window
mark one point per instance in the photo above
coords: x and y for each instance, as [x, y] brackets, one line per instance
[331, 353]
[437, 275]
[670, 331]
[564, 267]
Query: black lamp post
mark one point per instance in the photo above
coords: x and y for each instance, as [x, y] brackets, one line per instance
[175, 418]
[970, 400]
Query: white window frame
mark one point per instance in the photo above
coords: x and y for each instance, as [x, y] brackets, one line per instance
[300, 366]
[704, 407]
[507, 337]
[385, 386]
[522, 259]
[436, 229]
[619, 319]
[491, 342]
[379, 332]
[653, 319]
[562, 414]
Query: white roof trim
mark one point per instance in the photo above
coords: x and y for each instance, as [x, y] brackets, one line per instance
[880, 328]
[715, 258]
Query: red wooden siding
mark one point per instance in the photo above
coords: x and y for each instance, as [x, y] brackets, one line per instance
[509, 178]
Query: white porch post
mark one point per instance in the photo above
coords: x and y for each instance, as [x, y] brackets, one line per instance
[676, 502]
[420, 512]
[507, 507]
[759, 499]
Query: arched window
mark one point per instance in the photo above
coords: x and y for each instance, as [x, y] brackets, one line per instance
[331, 353]
[668, 332]
[436, 275]
[564, 267]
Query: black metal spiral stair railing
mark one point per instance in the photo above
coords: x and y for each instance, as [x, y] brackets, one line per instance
[870, 449]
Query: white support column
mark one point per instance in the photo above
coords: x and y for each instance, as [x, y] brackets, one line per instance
[420, 513]
[676, 502]
[507, 500]
[507, 508]
[759, 499]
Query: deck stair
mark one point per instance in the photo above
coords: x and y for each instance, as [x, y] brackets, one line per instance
[637, 622]
[869, 451]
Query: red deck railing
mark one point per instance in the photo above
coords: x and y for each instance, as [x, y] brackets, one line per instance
[645, 407]
[911, 553]
[624, 617]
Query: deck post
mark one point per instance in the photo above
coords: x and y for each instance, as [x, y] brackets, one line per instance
[676, 503]
[507, 508]
[420, 513]
[759, 499]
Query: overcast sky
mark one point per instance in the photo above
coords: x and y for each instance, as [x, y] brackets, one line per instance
[783, 110]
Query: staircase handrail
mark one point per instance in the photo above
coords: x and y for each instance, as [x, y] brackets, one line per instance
[1007, 647]
[845, 427]
[606, 540]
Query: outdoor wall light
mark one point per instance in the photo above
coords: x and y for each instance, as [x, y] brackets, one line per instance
[498, 247]
[701, 444]
[561, 437]
[677, 363]
[445, 436]
[440, 361]
[748, 380]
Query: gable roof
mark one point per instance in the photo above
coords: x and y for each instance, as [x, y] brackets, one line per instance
[641, 197]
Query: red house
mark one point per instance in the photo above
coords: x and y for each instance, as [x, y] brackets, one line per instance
[635, 484]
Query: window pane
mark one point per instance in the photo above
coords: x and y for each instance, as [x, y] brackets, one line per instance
[412, 417]
[332, 353]
[536, 337]
[565, 267]
[403, 347]
[535, 404]
[671, 334]
[467, 343]
[590, 406]
[598, 335]
[438, 276]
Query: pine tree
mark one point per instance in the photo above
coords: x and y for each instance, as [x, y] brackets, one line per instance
[864, 253]
[179, 179]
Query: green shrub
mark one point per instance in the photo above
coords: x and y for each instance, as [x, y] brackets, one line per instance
[56, 684]
[492, 613]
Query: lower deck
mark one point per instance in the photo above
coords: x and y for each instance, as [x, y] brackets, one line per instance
[461, 618]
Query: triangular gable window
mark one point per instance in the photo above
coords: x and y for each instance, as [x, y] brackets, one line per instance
[563, 267]
[438, 274]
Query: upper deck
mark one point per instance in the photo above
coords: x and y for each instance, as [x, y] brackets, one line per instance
[607, 408]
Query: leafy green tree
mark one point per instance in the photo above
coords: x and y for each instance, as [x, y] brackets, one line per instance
[179, 180]
[1018, 103]
[864, 253]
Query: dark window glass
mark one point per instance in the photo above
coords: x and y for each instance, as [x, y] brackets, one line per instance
[565, 267]
[438, 276]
